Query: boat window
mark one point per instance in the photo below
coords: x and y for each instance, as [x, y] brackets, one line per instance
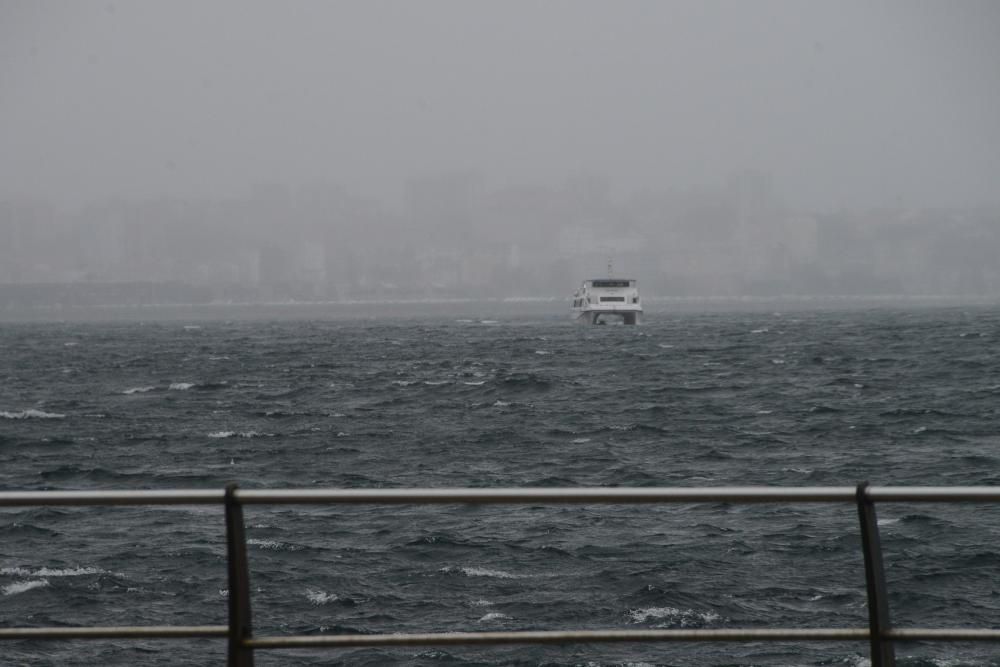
[610, 283]
[612, 298]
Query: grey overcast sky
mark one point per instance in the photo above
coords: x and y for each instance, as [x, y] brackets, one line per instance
[845, 103]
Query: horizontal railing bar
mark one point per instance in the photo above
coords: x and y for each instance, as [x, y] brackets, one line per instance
[559, 637]
[548, 637]
[744, 494]
[935, 494]
[144, 497]
[942, 634]
[117, 632]
[552, 495]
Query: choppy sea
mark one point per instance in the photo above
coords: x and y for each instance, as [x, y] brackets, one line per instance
[687, 399]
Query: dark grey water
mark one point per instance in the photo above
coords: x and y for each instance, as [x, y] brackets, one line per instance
[895, 397]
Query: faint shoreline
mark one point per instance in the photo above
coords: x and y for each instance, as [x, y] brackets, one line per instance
[512, 306]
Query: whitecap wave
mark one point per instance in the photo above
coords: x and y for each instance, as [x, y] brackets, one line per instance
[138, 390]
[180, 386]
[235, 434]
[861, 661]
[482, 572]
[69, 572]
[31, 414]
[580, 441]
[673, 617]
[495, 616]
[271, 545]
[477, 383]
[320, 597]
[51, 572]
[22, 586]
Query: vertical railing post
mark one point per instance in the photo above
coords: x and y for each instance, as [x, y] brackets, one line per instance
[883, 653]
[240, 626]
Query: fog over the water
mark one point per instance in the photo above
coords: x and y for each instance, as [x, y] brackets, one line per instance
[501, 133]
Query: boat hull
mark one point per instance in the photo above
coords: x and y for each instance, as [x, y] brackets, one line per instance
[607, 316]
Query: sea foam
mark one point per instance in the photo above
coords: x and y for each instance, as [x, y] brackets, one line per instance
[31, 414]
[272, 545]
[22, 586]
[673, 617]
[234, 434]
[495, 616]
[482, 572]
[320, 598]
[51, 572]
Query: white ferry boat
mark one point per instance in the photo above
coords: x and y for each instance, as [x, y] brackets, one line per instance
[601, 300]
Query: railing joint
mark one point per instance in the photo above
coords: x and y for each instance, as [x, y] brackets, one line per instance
[882, 648]
[240, 625]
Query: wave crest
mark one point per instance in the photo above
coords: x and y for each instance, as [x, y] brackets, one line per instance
[672, 617]
[320, 597]
[482, 572]
[22, 586]
[237, 434]
[31, 413]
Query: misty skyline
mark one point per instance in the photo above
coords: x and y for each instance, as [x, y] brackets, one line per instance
[844, 104]
[455, 238]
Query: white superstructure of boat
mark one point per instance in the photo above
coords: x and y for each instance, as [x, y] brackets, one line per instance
[603, 300]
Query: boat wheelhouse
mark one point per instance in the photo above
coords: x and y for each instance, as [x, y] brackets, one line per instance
[604, 300]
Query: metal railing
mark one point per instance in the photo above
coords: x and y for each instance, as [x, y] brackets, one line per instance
[242, 643]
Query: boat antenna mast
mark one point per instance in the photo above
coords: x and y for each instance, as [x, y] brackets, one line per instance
[611, 268]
